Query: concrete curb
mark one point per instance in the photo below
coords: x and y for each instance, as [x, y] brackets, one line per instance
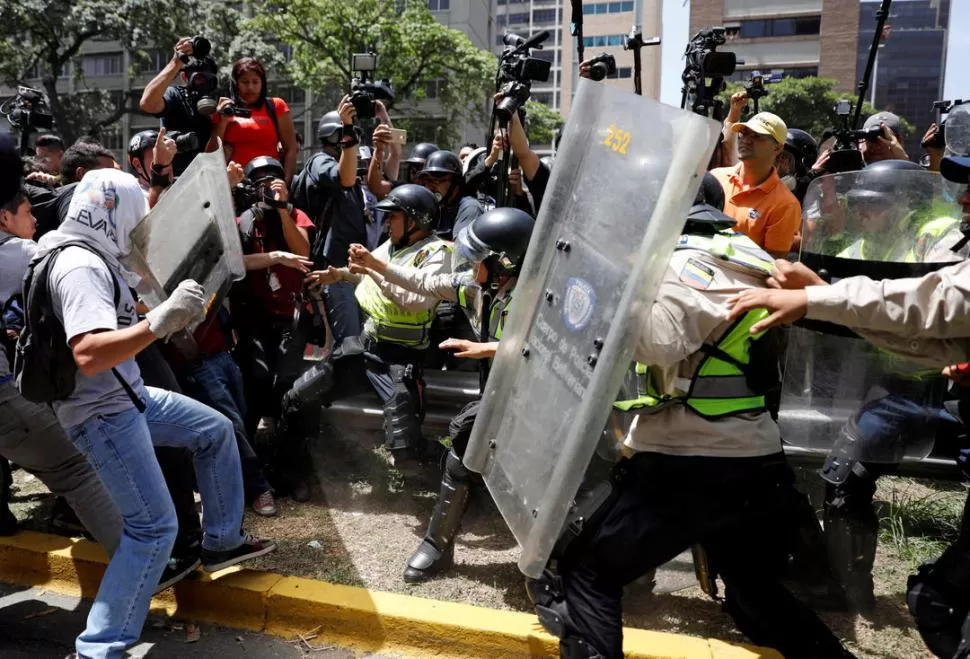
[348, 616]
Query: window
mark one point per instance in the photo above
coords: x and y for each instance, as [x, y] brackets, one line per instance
[101, 65]
[780, 27]
[520, 18]
[607, 8]
[602, 41]
[433, 88]
[439, 5]
[292, 95]
[110, 138]
[623, 72]
[543, 97]
[544, 16]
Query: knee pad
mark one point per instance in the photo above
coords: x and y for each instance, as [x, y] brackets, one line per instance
[402, 420]
[310, 388]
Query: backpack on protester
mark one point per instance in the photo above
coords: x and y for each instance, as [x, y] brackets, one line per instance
[316, 209]
[43, 367]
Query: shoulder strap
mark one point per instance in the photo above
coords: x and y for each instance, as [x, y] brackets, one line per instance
[6, 239]
[51, 256]
[271, 111]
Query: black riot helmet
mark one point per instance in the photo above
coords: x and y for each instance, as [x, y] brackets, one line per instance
[803, 146]
[416, 202]
[706, 215]
[136, 146]
[264, 167]
[330, 128]
[502, 233]
[421, 152]
[883, 183]
[442, 162]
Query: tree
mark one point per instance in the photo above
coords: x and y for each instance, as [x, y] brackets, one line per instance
[52, 33]
[421, 57]
[807, 103]
[541, 122]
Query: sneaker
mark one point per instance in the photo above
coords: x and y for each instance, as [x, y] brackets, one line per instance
[265, 505]
[177, 569]
[213, 561]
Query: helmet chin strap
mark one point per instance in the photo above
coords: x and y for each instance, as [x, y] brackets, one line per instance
[406, 236]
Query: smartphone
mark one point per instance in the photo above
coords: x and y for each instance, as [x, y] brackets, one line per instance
[399, 136]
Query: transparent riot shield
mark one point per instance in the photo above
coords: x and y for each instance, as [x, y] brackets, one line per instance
[191, 233]
[626, 173]
[885, 225]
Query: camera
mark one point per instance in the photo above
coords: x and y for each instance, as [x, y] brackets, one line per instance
[364, 90]
[202, 77]
[28, 110]
[942, 108]
[755, 87]
[703, 61]
[602, 66]
[517, 71]
[185, 142]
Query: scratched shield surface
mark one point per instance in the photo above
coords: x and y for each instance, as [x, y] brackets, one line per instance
[624, 177]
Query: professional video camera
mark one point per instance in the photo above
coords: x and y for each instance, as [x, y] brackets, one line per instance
[185, 142]
[256, 188]
[364, 90]
[846, 157]
[602, 66]
[516, 72]
[943, 108]
[202, 86]
[27, 112]
[703, 61]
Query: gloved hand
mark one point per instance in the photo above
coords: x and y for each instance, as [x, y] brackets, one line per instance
[184, 307]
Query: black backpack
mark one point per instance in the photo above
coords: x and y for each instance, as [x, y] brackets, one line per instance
[44, 367]
[317, 210]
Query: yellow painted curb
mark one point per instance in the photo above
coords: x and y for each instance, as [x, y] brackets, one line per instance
[347, 616]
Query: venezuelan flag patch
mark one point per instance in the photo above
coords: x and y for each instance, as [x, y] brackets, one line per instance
[697, 275]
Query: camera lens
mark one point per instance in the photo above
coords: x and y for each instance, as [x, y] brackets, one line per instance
[200, 47]
[598, 71]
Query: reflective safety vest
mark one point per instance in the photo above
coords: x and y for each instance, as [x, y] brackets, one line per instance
[730, 246]
[929, 233]
[719, 386]
[387, 321]
[468, 295]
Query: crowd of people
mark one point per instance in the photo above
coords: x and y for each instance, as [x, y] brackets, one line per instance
[398, 265]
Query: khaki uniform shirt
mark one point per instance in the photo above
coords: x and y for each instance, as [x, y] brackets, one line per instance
[690, 310]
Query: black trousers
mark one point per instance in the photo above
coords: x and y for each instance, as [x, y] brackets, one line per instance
[737, 508]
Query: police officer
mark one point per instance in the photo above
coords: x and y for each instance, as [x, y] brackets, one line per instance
[415, 162]
[493, 248]
[925, 318]
[442, 174]
[707, 464]
[396, 322]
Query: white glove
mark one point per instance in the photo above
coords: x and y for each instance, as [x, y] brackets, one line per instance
[184, 307]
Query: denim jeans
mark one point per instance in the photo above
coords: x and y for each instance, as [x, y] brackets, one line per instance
[343, 312]
[217, 382]
[119, 448]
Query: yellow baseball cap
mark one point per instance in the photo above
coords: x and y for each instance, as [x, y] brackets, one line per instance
[765, 123]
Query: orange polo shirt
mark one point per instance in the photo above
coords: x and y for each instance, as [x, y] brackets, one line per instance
[769, 214]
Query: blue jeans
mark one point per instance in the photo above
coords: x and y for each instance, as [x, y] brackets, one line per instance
[119, 448]
[217, 382]
[343, 312]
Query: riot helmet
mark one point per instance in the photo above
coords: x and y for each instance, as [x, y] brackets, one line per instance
[263, 168]
[803, 148]
[136, 148]
[474, 159]
[442, 162]
[330, 128]
[416, 202]
[502, 234]
[706, 215]
[421, 152]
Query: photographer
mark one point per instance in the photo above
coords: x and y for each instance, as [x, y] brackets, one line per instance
[329, 190]
[268, 128]
[442, 174]
[48, 151]
[385, 166]
[176, 105]
[886, 146]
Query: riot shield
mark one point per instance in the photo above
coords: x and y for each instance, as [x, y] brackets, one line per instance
[626, 173]
[882, 224]
[191, 233]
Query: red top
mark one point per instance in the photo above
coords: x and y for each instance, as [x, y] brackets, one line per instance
[272, 289]
[254, 136]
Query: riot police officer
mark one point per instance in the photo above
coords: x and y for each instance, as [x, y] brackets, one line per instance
[707, 464]
[795, 162]
[493, 248]
[396, 322]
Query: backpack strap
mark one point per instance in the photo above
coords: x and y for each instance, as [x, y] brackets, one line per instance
[271, 111]
[6, 239]
[129, 390]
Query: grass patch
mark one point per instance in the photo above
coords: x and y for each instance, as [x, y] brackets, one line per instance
[919, 522]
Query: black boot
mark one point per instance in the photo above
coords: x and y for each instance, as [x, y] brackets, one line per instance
[436, 552]
[851, 533]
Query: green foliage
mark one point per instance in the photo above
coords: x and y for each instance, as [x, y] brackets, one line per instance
[919, 526]
[416, 53]
[541, 122]
[51, 33]
[807, 103]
